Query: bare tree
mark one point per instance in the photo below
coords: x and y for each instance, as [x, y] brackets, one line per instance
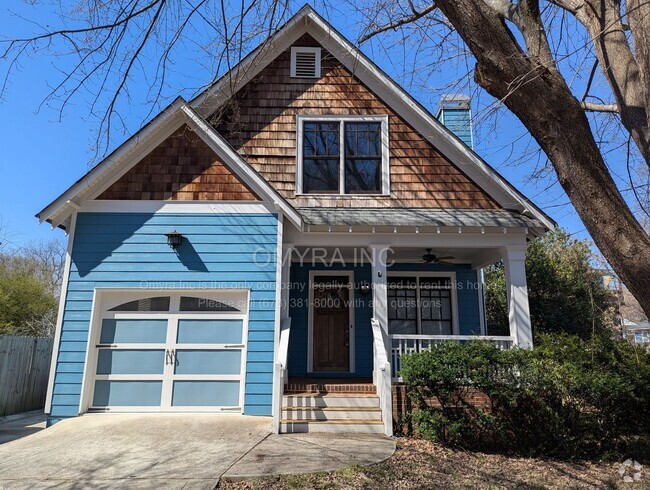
[520, 49]
[518, 64]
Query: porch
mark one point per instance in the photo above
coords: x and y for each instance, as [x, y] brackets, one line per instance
[384, 302]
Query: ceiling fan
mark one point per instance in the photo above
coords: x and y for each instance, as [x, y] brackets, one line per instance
[429, 258]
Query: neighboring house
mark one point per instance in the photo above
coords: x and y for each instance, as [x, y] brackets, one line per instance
[272, 231]
[637, 333]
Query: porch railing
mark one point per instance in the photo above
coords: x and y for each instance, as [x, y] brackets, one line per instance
[381, 375]
[409, 343]
[280, 372]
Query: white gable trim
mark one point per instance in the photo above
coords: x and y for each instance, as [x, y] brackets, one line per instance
[307, 21]
[142, 143]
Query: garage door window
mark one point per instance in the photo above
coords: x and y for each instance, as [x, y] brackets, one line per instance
[170, 353]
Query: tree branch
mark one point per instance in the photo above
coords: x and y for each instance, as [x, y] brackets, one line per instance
[594, 107]
[416, 15]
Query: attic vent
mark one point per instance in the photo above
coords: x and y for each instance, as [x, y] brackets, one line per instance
[305, 62]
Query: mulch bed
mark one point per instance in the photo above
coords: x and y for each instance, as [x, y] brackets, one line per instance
[423, 464]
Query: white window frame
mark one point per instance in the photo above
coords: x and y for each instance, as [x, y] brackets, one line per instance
[385, 157]
[454, 296]
[106, 298]
[310, 319]
[305, 49]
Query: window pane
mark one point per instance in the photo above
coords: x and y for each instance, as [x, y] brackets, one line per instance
[145, 331]
[362, 157]
[436, 328]
[321, 157]
[402, 305]
[160, 303]
[127, 393]
[130, 361]
[190, 303]
[362, 175]
[362, 139]
[320, 175]
[209, 331]
[205, 393]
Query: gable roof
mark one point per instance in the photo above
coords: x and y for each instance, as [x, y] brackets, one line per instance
[308, 21]
[127, 155]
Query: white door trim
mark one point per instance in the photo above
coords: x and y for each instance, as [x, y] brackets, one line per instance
[310, 319]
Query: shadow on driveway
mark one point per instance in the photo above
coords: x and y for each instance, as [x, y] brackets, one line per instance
[20, 425]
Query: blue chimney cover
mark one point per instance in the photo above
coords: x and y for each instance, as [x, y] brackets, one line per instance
[454, 111]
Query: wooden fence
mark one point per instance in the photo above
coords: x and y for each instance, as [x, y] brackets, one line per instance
[24, 369]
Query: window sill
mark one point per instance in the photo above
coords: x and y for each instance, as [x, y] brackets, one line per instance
[310, 194]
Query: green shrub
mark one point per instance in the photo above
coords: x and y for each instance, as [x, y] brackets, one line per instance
[567, 398]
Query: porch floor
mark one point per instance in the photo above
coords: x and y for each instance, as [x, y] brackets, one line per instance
[358, 386]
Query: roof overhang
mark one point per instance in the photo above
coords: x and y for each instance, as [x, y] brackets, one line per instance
[307, 21]
[126, 156]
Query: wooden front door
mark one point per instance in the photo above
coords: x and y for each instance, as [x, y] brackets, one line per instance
[331, 324]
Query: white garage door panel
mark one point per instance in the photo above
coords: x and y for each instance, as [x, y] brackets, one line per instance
[175, 360]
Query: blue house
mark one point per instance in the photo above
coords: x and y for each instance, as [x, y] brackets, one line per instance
[274, 246]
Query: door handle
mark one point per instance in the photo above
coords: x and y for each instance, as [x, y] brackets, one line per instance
[166, 356]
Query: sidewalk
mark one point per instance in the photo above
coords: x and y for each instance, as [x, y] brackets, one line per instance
[14, 427]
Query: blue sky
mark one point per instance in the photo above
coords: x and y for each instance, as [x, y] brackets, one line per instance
[43, 153]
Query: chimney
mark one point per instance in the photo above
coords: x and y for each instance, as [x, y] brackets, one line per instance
[454, 111]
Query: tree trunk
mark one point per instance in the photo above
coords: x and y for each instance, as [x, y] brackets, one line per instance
[539, 96]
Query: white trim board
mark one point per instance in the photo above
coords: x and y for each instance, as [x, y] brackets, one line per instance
[301, 119]
[59, 319]
[130, 153]
[307, 21]
[178, 207]
[310, 320]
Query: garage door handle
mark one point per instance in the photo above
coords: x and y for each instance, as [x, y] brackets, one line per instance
[170, 356]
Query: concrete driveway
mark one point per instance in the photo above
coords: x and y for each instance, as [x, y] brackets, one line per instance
[137, 451]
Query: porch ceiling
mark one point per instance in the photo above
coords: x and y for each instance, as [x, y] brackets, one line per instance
[360, 255]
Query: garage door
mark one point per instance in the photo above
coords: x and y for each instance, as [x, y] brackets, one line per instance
[176, 352]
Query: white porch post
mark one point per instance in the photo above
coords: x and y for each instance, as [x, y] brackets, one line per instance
[287, 253]
[379, 254]
[514, 259]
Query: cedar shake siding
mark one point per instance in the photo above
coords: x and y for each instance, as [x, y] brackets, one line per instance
[260, 122]
[181, 168]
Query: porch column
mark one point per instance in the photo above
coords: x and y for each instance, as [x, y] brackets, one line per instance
[514, 259]
[287, 253]
[379, 254]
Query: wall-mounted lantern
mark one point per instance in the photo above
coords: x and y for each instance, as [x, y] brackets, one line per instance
[174, 239]
[365, 288]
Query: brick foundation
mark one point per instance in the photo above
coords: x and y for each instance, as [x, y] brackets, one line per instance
[403, 406]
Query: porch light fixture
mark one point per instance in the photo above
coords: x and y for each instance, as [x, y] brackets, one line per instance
[174, 239]
[365, 288]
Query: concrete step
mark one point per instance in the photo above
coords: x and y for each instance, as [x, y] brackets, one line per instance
[350, 425]
[331, 413]
[330, 400]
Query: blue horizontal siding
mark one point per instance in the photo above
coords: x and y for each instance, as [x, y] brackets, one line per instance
[129, 250]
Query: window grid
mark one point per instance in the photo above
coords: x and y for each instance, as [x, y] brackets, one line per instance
[435, 289]
[373, 166]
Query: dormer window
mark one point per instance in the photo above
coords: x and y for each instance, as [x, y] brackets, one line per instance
[342, 155]
[305, 62]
